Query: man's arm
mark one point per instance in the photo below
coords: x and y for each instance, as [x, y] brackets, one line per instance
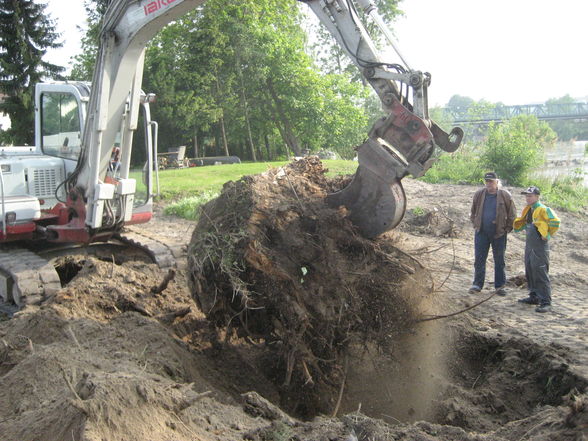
[511, 212]
[473, 209]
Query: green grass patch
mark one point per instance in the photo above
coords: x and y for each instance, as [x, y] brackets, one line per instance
[188, 207]
[189, 188]
[461, 167]
[568, 194]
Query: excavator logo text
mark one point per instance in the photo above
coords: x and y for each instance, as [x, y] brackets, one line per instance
[156, 5]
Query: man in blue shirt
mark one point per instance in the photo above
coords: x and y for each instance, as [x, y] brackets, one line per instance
[492, 215]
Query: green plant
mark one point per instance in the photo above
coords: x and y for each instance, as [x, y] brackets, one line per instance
[418, 211]
[566, 193]
[462, 167]
[515, 147]
[188, 207]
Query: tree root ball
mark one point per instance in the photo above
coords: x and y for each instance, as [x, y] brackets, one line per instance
[272, 262]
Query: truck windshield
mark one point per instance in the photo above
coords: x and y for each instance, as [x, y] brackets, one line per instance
[60, 125]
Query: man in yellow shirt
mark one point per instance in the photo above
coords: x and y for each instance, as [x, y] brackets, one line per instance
[540, 223]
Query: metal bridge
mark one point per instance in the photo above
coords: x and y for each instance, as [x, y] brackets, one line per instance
[465, 115]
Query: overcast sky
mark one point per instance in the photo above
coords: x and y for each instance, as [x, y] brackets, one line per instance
[512, 51]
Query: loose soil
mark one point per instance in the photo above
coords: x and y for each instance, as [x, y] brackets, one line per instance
[109, 358]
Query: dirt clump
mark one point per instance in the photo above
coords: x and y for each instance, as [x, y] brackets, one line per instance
[270, 261]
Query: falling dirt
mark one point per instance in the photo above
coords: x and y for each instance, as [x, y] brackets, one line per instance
[109, 358]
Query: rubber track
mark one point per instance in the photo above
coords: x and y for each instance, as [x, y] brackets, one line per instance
[35, 278]
[164, 254]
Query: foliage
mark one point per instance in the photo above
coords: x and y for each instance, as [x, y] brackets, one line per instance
[516, 146]
[187, 208]
[26, 32]
[568, 193]
[565, 129]
[84, 62]
[460, 167]
[330, 57]
[237, 71]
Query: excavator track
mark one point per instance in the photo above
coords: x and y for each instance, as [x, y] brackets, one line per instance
[163, 253]
[25, 278]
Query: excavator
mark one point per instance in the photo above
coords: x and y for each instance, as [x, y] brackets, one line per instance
[70, 189]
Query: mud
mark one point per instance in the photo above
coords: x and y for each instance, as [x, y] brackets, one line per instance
[107, 358]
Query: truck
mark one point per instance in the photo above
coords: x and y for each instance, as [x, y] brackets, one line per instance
[76, 186]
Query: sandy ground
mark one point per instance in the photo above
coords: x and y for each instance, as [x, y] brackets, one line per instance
[109, 359]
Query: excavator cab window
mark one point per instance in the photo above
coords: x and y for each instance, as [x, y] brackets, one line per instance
[60, 125]
[139, 159]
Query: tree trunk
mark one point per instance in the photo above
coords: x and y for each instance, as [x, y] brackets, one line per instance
[267, 147]
[286, 129]
[224, 134]
[196, 143]
[222, 123]
[246, 109]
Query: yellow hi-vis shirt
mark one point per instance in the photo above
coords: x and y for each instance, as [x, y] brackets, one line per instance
[544, 218]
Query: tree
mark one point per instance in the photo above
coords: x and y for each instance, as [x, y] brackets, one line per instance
[565, 129]
[26, 32]
[331, 58]
[84, 62]
[516, 147]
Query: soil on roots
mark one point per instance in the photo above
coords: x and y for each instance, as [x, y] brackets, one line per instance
[270, 261]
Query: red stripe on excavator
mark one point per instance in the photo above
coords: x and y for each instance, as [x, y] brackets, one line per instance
[18, 232]
[140, 218]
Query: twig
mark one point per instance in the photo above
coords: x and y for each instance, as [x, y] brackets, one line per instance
[436, 317]
[452, 265]
[476, 380]
[73, 336]
[392, 418]
[171, 274]
[295, 194]
[340, 397]
[196, 437]
[531, 429]
[309, 379]
[112, 266]
[67, 380]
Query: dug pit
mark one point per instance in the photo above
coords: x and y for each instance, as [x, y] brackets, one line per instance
[335, 321]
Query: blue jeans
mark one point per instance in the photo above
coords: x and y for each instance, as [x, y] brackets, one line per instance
[482, 244]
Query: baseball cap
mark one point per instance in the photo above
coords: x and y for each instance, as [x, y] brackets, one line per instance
[531, 190]
[490, 176]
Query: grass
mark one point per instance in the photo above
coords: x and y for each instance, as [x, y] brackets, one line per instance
[566, 193]
[188, 188]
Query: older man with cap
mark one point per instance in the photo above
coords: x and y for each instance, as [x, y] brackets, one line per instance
[492, 215]
[540, 223]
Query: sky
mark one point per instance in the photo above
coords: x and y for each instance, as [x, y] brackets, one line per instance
[509, 51]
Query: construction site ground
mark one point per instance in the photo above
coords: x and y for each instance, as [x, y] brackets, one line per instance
[111, 358]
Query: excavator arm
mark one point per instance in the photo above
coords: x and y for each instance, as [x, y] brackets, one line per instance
[400, 143]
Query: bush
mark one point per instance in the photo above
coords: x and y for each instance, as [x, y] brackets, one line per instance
[515, 147]
[188, 207]
[568, 194]
[461, 167]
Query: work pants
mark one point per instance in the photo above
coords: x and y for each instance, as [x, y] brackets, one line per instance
[537, 267]
[482, 244]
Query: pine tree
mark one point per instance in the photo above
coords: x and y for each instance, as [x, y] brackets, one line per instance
[26, 32]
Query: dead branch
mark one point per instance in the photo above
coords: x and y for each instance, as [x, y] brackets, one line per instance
[437, 317]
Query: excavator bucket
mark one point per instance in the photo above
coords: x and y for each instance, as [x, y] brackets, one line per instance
[398, 145]
[375, 197]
